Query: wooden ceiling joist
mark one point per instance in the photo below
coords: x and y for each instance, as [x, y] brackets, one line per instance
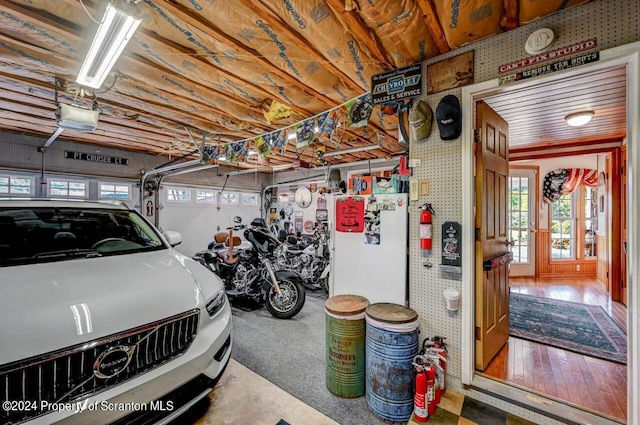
[433, 26]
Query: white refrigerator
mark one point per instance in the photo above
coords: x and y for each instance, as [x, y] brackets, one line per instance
[371, 263]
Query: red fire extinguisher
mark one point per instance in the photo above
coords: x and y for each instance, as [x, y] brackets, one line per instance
[420, 411]
[426, 228]
[441, 348]
[430, 371]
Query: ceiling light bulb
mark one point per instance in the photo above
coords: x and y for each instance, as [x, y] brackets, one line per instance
[112, 36]
[579, 118]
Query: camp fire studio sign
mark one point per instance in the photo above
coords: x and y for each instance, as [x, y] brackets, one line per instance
[397, 85]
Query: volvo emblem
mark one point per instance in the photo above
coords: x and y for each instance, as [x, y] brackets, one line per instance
[112, 361]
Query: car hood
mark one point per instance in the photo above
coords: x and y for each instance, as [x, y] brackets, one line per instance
[50, 306]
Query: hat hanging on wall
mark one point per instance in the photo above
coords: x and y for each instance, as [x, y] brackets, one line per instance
[420, 120]
[449, 117]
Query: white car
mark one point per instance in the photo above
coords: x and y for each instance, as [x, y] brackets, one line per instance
[101, 319]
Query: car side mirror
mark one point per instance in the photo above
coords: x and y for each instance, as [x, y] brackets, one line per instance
[174, 238]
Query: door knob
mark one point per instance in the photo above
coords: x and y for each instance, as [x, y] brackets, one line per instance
[510, 243]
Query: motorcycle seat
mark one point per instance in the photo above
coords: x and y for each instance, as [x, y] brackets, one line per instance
[236, 241]
[221, 237]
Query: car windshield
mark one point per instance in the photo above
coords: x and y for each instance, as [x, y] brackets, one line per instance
[43, 234]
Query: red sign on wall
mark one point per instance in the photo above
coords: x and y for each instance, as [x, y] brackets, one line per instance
[350, 214]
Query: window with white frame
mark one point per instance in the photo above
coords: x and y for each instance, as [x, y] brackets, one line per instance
[228, 198]
[114, 191]
[563, 227]
[178, 195]
[205, 196]
[68, 188]
[249, 199]
[16, 185]
[573, 224]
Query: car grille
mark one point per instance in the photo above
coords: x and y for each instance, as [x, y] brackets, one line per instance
[68, 375]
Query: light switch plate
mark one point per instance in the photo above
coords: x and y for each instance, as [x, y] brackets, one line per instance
[414, 190]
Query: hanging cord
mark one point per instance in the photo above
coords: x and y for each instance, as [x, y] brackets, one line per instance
[85, 9]
[115, 78]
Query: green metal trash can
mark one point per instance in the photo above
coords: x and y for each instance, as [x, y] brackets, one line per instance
[345, 345]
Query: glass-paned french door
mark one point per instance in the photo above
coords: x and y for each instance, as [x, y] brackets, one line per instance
[522, 219]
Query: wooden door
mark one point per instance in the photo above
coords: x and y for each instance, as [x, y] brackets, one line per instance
[623, 226]
[492, 248]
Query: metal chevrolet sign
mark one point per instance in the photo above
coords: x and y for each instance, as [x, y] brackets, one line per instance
[399, 84]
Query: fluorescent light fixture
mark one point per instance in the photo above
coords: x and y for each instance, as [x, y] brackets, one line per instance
[222, 158]
[291, 136]
[351, 150]
[253, 152]
[113, 34]
[579, 118]
[281, 167]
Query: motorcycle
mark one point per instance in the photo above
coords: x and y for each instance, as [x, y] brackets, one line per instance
[252, 273]
[312, 262]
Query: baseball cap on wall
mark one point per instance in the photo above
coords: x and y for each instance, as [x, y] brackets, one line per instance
[420, 120]
[449, 117]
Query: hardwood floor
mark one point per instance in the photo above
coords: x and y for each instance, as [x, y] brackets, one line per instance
[588, 382]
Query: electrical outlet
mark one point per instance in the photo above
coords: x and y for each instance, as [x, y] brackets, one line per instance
[577, 267]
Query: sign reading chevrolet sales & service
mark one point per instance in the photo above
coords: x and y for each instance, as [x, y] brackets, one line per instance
[396, 85]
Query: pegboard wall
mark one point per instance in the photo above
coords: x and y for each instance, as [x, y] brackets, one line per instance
[612, 23]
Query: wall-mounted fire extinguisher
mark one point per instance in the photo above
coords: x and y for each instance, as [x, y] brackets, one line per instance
[426, 229]
[420, 410]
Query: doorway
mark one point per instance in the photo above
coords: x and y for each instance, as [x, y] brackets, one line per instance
[625, 58]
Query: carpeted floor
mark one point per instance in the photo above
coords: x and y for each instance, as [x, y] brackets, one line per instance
[586, 329]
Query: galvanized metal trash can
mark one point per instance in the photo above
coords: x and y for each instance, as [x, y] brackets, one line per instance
[345, 345]
[391, 345]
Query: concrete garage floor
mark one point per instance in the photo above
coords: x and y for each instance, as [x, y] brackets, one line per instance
[244, 397]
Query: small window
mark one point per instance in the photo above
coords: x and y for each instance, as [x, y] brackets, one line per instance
[115, 191]
[228, 198]
[249, 199]
[14, 185]
[178, 195]
[562, 227]
[67, 189]
[205, 197]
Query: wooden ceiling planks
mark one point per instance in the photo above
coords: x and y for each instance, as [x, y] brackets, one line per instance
[536, 114]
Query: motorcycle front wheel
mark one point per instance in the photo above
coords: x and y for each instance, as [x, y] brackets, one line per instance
[288, 302]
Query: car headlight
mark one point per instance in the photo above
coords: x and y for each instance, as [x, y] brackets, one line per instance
[215, 303]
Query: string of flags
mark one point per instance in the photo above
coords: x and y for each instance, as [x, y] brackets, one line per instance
[316, 131]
